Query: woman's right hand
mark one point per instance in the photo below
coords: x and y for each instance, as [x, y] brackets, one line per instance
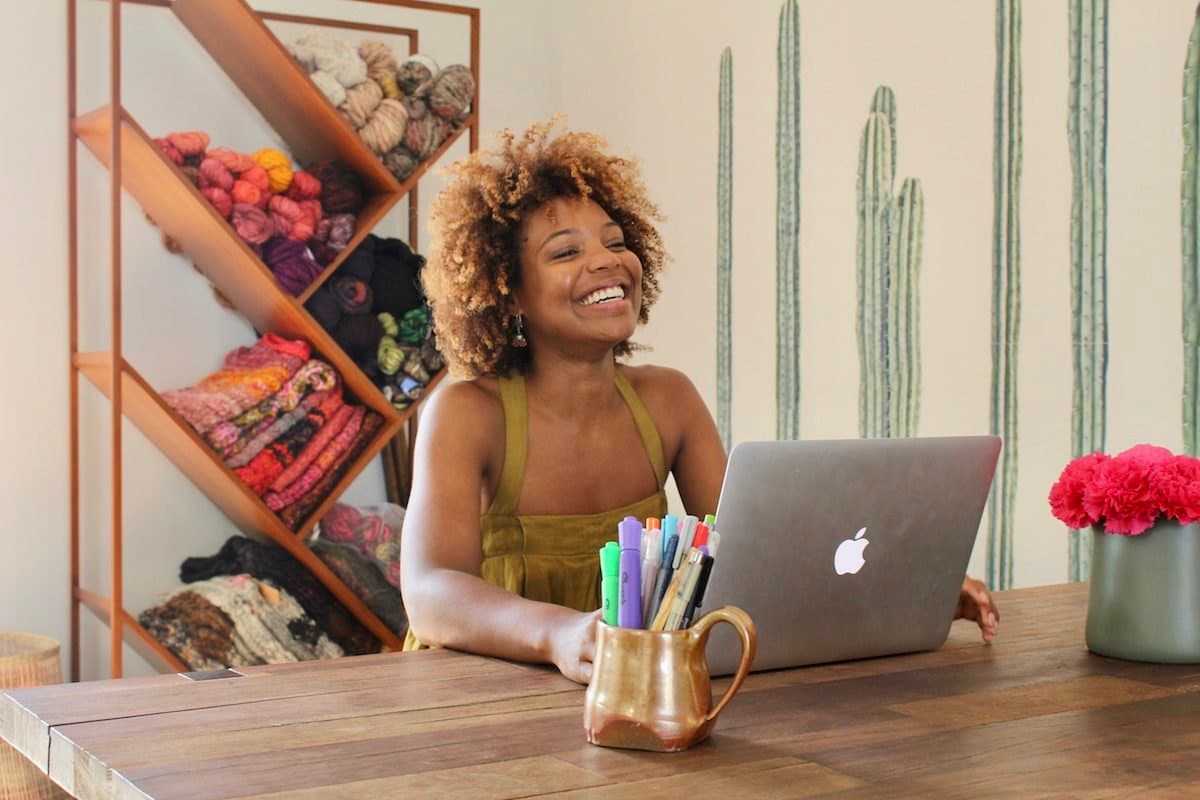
[573, 644]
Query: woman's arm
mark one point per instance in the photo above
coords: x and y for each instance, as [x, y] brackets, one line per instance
[447, 602]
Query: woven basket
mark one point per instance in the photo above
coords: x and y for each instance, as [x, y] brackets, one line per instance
[26, 660]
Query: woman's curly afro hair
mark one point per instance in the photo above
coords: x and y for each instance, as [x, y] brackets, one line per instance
[476, 221]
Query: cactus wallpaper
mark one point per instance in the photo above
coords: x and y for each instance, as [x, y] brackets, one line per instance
[787, 225]
[1087, 126]
[890, 230]
[1006, 289]
[725, 246]
[1191, 248]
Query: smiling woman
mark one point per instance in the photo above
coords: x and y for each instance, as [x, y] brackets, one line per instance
[545, 261]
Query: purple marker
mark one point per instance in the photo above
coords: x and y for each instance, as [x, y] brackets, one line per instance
[629, 604]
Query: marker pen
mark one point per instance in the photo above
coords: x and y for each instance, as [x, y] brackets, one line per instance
[665, 573]
[664, 606]
[687, 529]
[687, 585]
[610, 571]
[650, 562]
[669, 524]
[710, 520]
[701, 537]
[714, 541]
[629, 603]
[697, 599]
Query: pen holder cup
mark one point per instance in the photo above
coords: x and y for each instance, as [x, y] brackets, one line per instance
[651, 690]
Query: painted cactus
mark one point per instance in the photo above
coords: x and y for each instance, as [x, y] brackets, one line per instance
[724, 246]
[1087, 124]
[1006, 286]
[888, 255]
[1191, 247]
[787, 226]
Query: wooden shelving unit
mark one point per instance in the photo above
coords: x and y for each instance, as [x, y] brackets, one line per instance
[241, 44]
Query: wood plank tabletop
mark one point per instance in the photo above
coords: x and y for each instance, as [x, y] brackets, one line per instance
[1031, 715]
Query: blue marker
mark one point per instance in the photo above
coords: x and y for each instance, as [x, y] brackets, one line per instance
[629, 607]
[670, 524]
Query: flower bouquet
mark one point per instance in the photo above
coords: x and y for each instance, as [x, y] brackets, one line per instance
[1143, 505]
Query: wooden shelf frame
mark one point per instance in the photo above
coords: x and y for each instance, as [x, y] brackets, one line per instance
[265, 73]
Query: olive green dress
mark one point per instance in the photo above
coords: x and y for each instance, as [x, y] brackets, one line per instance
[554, 557]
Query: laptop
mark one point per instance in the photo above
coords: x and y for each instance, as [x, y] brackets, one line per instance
[845, 549]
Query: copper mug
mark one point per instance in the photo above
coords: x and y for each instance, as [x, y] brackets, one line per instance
[651, 690]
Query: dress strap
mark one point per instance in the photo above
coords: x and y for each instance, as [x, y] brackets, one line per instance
[516, 438]
[645, 426]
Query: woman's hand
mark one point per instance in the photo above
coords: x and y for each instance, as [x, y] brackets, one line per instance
[975, 603]
[573, 644]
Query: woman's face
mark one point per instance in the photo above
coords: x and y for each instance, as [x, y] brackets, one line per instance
[580, 287]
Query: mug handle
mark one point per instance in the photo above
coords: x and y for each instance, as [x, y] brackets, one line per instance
[742, 623]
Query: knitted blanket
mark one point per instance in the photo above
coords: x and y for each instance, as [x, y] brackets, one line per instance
[230, 436]
[294, 515]
[272, 563]
[366, 581]
[272, 461]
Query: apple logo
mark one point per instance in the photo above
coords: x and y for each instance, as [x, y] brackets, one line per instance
[849, 556]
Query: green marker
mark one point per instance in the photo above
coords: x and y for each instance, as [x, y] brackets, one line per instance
[710, 521]
[610, 580]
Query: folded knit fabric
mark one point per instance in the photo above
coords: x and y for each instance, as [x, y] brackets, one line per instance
[228, 437]
[249, 375]
[271, 563]
[366, 581]
[272, 461]
[294, 515]
[295, 628]
[320, 465]
[309, 452]
[282, 424]
[191, 627]
[239, 597]
[372, 535]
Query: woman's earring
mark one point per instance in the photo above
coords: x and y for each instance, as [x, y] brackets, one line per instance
[518, 339]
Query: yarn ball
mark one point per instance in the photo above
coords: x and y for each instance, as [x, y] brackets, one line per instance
[395, 289]
[358, 334]
[341, 190]
[414, 72]
[290, 219]
[320, 52]
[169, 150]
[252, 187]
[220, 200]
[324, 308]
[389, 356]
[341, 230]
[334, 92]
[190, 144]
[386, 127]
[232, 160]
[252, 224]
[400, 162]
[214, 174]
[414, 326]
[422, 136]
[293, 265]
[278, 167]
[304, 187]
[360, 263]
[361, 102]
[390, 326]
[416, 107]
[452, 91]
[381, 67]
[353, 295]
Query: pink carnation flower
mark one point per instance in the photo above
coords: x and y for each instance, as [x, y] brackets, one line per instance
[1177, 483]
[1122, 495]
[1066, 496]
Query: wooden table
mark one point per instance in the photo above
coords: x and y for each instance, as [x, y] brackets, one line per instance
[1034, 714]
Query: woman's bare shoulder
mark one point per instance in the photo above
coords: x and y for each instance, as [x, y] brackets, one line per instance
[464, 406]
[653, 382]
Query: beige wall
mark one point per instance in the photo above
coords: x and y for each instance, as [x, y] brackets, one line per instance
[645, 74]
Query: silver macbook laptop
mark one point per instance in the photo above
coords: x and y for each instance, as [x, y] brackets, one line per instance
[845, 549]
